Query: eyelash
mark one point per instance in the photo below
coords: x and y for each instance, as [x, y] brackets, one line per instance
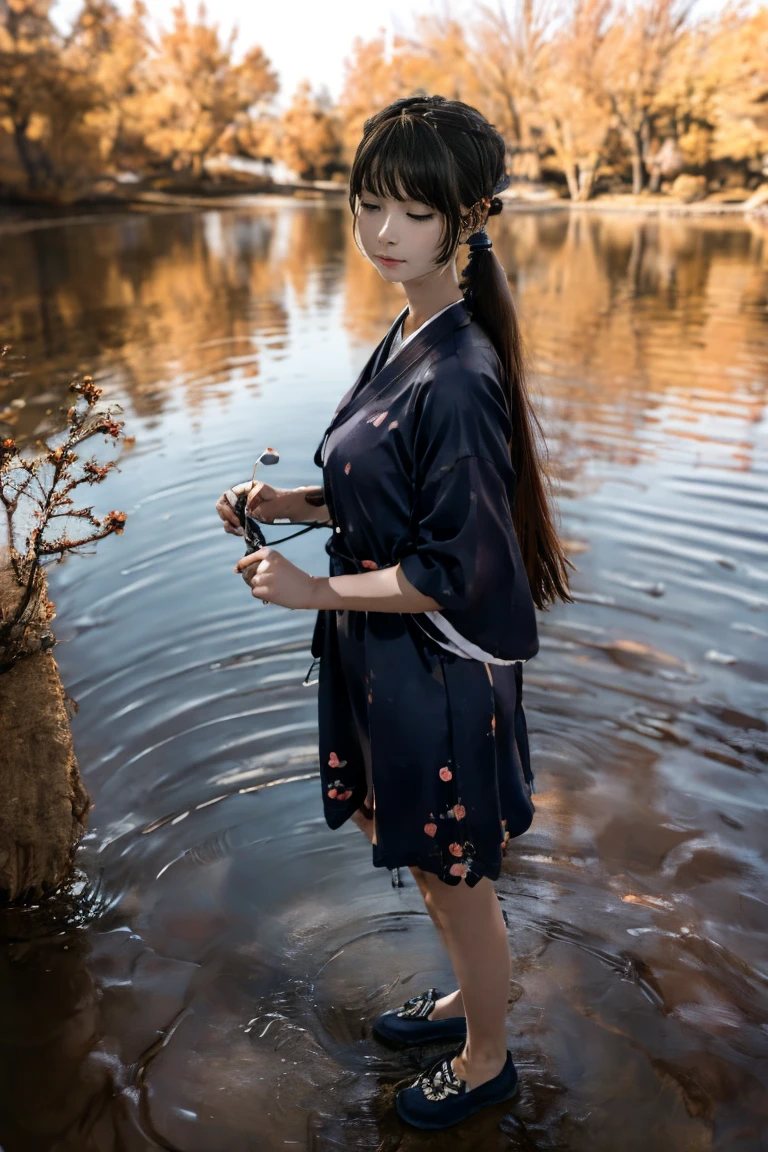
[375, 207]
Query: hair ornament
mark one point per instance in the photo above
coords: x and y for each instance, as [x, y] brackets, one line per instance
[479, 239]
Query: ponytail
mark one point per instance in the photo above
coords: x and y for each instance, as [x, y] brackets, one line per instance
[489, 299]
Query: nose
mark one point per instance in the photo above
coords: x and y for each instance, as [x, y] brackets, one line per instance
[386, 232]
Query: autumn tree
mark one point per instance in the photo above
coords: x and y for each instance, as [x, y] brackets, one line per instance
[193, 91]
[437, 57]
[635, 56]
[511, 55]
[574, 110]
[737, 74]
[255, 137]
[682, 127]
[44, 101]
[310, 135]
[112, 49]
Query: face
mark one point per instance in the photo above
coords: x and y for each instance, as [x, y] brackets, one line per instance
[401, 238]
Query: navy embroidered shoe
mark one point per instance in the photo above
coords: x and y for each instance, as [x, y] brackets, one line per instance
[438, 1098]
[410, 1024]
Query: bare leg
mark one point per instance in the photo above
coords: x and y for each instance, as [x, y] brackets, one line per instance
[452, 1004]
[477, 943]
[446, 1006]
[366, 826]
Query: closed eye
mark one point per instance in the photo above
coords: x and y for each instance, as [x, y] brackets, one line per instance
[413, 216]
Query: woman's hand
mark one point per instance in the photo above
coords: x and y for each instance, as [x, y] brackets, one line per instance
[275, 580]
[225, 506]
[268, 504]
[264, 503]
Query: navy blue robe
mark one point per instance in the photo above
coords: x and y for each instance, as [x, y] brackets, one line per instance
[416, 471]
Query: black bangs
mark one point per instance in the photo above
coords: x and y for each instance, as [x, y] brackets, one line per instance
[404, 158]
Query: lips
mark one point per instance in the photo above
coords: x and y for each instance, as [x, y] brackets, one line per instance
[389, 260]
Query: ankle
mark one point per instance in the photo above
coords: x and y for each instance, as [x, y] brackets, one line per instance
[491, 1056]
[476, 1070]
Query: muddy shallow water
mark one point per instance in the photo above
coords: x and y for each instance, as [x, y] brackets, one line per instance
[218, 990]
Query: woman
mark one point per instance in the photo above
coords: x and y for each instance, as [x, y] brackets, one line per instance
[442, 545]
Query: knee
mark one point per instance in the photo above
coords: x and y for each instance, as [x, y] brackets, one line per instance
[438, 896]
[420, 876]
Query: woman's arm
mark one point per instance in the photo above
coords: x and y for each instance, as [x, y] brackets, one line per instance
[385, 590]
[276, 580]
[313, 506]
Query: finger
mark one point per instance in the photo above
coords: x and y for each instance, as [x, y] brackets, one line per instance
[234, 531]
[252, 558]
[258, 496]
[228, 516]
[225, 507]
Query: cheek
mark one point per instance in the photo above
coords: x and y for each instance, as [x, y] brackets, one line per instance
[363, 231]
[426, 240]
[368, 224]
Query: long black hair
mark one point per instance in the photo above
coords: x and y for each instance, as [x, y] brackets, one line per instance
[445, 154]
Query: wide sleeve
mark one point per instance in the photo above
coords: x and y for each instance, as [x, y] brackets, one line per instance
[464, 552]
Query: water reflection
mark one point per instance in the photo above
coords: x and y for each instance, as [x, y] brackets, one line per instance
[222, 995]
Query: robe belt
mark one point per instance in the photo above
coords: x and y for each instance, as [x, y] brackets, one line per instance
[343, 563]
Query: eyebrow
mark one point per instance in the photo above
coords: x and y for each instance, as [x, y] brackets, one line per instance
[365, 191]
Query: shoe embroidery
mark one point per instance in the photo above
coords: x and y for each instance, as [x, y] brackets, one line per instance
[440, 1081]
[418, 1006]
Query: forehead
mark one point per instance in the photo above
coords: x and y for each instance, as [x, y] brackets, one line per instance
[366, 190]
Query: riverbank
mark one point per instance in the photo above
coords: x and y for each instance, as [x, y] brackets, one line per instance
[43, 803]
[659, 205]
[18, 216]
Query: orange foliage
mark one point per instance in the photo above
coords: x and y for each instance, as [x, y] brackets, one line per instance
[191, 91]
[310, 135]
[589, 87]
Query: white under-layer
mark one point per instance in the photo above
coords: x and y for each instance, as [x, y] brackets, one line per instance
[458, 644]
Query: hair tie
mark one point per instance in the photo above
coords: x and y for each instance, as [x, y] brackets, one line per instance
[479, 239]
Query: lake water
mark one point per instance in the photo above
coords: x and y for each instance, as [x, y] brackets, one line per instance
[219, 995]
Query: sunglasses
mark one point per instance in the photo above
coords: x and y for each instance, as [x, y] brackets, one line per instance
[253, 535]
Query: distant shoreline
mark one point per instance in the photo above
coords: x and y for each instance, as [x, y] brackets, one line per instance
[21, 215]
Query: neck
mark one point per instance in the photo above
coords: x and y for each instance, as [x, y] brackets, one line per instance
[427, 296]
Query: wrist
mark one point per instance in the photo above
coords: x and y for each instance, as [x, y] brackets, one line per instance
[318, 592]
